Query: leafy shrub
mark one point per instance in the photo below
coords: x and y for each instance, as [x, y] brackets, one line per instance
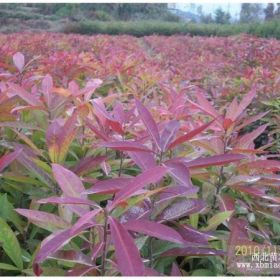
[119, 161]
[171, 27]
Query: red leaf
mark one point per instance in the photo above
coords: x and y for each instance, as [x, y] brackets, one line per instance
[204, 105]
[42, 219]
[182, 208]
[69, 182]
[154, 229]
[189, 135]
[193, 235]
[47, 87]
[226, 203]
[248, 139]
[58, 239]
[230, 113]
[25, 95]
[175, 271]
[244, 103]
[180, 173]
[142, 159]
[174, 192]
[168, 134]
[250, 120]
[99, 133]
[149, 122]
[209, 161]
[18, 59]
[125, 146]
[127, 254]
[79, 270]
[86, 164]
[147, 177]
[272, 165]
[72, 256]
[8, 159]
[114, 124]
[257, 192]
[151, 272]
[193, 251]
[67, 200]
[59, 138]
[108, 186]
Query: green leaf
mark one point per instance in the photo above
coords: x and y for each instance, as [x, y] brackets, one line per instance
[194, 220]
[217, 220]
[7, 212]
[6, 266]
[10, 244]
[203, 272]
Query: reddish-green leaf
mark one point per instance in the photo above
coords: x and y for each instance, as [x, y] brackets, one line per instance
[154, 229]
[168, 134]
[69, 182]
[8, 159]
[44, 220]
[127, 254]
[149, 122]
[19, 61]
[125, 146]
[189, 135]
[147, 177]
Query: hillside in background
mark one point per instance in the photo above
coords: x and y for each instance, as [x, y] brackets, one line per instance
[139, 20]
[54, 17]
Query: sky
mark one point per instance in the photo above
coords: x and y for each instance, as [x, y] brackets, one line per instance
[207, 8]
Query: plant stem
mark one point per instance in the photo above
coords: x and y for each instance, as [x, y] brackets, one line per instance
[103, 267]
[221, 176]
[150, 249]
[121, 164]
[219, 186]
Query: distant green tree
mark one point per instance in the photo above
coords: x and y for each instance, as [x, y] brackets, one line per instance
[206, 18]
[221, 17]
[277, 12]
[269, 11]
[250, 12]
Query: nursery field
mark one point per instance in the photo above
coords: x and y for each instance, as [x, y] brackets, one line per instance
[125, 156]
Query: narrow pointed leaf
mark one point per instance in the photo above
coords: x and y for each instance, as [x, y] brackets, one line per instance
[25, 95]
[86, 164]
[175, 271]
[193, 251]
[211, 160]
[58, 239]
[47, 87]
[8, 159]
[44, 220]
[154, 229]
[218, 219]
[149, 122]
[168, 134]
[147, 177]
[108, 186]
[182, 208]
[143, 160]
[127, 255]
[69, 182]
[189, 135]
[126, 146]
[19, 61]
[10, 244]
[66, 200]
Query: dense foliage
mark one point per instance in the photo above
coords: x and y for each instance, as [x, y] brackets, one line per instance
[126, 156]
[268, 29]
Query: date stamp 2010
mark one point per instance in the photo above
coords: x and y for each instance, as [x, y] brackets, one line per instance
[253, 259]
